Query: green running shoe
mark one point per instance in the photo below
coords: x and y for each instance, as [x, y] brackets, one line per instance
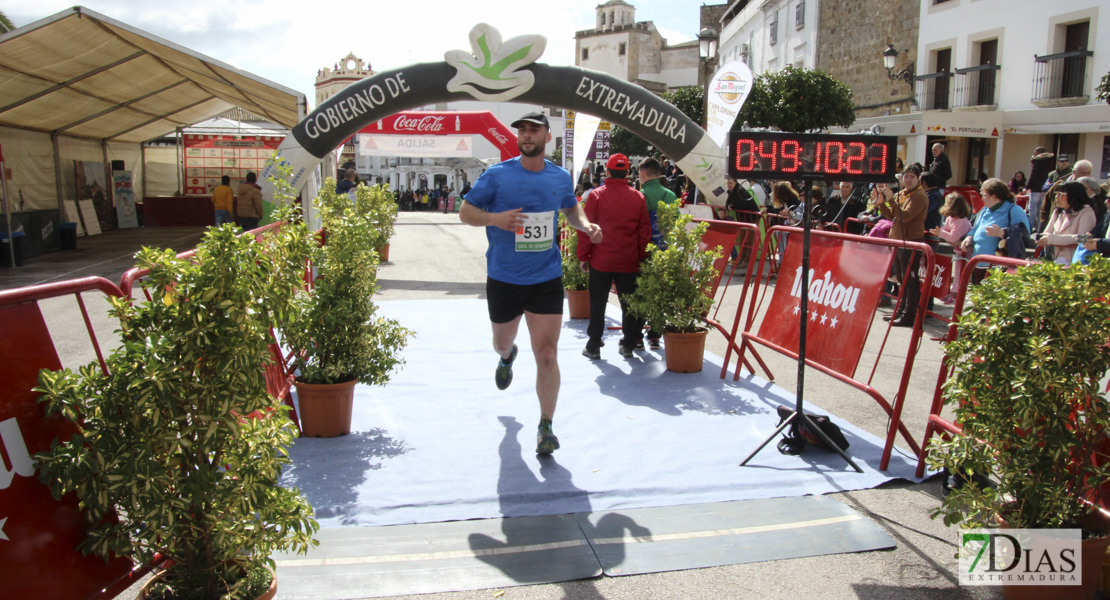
[546, 442]
[503, 376]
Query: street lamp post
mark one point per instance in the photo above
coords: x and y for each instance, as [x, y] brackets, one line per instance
[890, 55]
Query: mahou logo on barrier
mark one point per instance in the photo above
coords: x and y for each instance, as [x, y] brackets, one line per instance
[845, 282]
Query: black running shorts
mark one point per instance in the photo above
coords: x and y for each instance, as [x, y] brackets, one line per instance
[508, 301]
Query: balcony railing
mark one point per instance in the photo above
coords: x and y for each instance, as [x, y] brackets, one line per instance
[933, 91]
[1061, 79]
[976, 87]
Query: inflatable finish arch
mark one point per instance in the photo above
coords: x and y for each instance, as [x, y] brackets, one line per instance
[499, 71]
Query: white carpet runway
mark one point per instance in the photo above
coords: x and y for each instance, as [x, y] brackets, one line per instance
[440, 442]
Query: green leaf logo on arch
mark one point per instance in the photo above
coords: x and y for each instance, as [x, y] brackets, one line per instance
[492, 71]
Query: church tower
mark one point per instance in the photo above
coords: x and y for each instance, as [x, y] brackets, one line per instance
[348, 70]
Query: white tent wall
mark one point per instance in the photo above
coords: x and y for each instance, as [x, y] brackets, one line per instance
[30, 156]
[161, 171]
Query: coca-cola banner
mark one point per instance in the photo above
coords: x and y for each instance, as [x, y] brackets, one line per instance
[939, 284]
[416, 145]
[428, 123]
[845, 282]
[496, 70]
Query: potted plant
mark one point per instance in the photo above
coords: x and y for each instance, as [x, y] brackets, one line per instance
[334, 334]
[179, 446]
[382, 207]
[575, 281]
[1025, 391]
[672, 290]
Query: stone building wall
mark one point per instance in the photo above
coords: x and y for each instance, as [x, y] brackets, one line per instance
[852, 37]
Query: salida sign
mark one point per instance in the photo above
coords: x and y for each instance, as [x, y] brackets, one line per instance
[497, 70]
[845, 282]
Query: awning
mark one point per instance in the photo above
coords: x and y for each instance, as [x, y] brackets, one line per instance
[81, 74]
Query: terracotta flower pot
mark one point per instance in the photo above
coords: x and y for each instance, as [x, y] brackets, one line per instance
[325, 409]
[1094, 550]
[383, 253]
[578, 302]
[269, 594]
[684, 352]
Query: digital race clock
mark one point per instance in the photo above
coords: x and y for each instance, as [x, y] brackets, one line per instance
[797, 156]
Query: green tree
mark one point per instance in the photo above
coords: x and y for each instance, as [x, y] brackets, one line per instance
[1103, 89]
[628, 143]
[798, 100]
[6, 24]
[690, 100]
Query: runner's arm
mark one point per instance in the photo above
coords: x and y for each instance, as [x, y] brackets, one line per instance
[578, 220]
[508, 220]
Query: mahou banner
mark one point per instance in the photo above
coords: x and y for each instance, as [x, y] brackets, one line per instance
[845, 282]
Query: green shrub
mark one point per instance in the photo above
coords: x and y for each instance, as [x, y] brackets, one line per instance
[1028, 360]
[179, 448]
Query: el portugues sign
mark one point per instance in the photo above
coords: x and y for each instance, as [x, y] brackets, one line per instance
[845, 282]
[497, 70]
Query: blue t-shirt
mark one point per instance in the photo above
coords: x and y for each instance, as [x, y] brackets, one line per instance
[1004, 214]
[508, 185]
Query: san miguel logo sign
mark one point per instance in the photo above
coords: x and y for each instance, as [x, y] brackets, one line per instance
[497, 70]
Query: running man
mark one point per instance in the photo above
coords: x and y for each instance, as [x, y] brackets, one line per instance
[516, 202]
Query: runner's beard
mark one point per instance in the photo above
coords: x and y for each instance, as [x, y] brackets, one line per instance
[537, 149]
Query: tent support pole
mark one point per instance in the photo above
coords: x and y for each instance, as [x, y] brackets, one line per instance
[58, 178]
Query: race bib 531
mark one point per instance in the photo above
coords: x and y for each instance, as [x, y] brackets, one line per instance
[538, 232]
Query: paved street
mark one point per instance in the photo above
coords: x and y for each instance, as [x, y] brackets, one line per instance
[434, 256]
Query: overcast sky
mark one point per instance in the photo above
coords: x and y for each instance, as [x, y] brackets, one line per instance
[288, 41]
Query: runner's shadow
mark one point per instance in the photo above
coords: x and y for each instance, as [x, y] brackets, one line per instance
[521, 493]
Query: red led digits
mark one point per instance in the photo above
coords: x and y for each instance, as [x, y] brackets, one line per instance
[773, 154]
[881, 159]
[741, 154]
[839, 158]
[859, 159]
[843, 157]
[791, 154]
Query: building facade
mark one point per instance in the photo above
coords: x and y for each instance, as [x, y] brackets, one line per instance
[853, 35]
[635, 51]
[996, 78]
[768, 35]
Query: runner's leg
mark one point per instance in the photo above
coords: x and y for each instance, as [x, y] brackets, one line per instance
[544, 331]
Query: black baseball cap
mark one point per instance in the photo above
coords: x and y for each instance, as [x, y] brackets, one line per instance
[533, 117]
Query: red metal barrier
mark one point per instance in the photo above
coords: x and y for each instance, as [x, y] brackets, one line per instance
[38, 555]
[748, 337]
[937, 424]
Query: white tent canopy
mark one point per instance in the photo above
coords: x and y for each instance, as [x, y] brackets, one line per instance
[78, 80]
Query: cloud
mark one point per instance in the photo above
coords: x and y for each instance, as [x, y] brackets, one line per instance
[288, 41]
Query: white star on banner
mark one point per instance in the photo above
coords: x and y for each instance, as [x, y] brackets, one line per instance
[824, 317]
[834, 322]
[796, 309]
[2, 535]
[813, 315]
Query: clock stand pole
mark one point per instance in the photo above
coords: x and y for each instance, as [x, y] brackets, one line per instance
[798, 412]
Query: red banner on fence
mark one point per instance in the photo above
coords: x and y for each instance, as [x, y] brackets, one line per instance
[38, 535]
[845, 282]
[940, 284]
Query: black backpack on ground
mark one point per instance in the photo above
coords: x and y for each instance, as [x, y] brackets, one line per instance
[795, 438]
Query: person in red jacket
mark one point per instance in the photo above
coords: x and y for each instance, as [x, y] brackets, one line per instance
[622, 213]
